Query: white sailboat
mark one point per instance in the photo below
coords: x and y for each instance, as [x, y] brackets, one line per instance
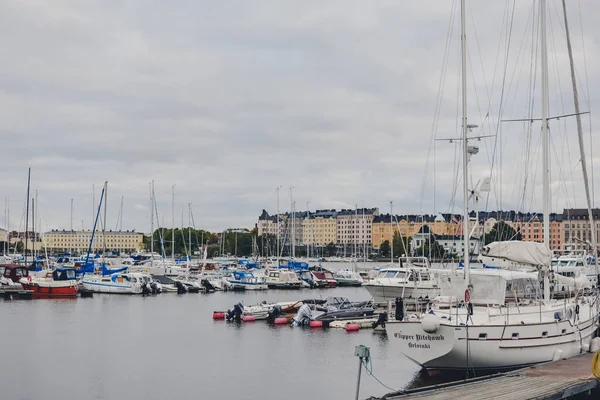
[492, 330]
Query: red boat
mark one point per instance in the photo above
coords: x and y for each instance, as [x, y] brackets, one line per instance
[58, 283]
[326, 277]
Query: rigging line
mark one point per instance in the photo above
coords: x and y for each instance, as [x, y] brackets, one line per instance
[498, 133]
[562, 178]
[560, 90]
[437, 110]
[587, 84]
[497, 140]
[488, 95]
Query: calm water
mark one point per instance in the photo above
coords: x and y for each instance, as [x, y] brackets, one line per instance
[168, 346]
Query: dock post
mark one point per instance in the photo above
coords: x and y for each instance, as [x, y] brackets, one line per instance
[362, 352]
[358, 380]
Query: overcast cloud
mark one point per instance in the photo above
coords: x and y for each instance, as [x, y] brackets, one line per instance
[226, 100]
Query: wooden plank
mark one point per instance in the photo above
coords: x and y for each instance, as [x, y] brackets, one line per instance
[551, 381]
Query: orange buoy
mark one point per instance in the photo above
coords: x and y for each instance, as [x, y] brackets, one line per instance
[280, 321]
[218, 315]
[248, 318]
[352, 327]
[315, 324]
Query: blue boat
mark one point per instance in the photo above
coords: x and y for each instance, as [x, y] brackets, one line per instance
[245, 280]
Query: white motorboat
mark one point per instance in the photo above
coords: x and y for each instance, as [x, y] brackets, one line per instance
[121, 283]
[283, 279]
[348, 278]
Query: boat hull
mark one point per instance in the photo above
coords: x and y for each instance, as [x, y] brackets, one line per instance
[288, 286]
[491, 347]
[101, 287]
[41, 290]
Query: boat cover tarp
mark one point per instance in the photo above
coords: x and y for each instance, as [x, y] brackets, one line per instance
[522, 252]
[580, 282]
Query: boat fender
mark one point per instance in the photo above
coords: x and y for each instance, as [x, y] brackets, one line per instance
[315, 324]
[248, 318]
[470, 308]
[596, 365]
[399, 309]
[218, 315]
[430, 323]
[352, 327]
[577, 309]
[280, 321]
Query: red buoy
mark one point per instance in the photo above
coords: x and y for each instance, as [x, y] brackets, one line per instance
[248, 318]
[352, 327]
[218, 315]
[280, 321]
[315, 324]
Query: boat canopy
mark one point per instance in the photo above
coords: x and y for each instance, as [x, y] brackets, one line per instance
[63, 274]
[110, 271]
[531, 253]
[496, 287]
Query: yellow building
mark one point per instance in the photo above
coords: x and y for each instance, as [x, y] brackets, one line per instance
[320, 228]
[64, 240]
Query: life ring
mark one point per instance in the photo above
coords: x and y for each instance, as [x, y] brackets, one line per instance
[467, 295]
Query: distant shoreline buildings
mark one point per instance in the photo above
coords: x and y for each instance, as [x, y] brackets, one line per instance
[362, 227]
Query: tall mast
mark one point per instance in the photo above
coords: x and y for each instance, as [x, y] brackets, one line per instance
[463, 53]
[104, 224]
[173, 219]
[545, 139]
[190, 230]
[27, 214]
[278, 253]
[311, 231]
[151, 221]
[33, 228]
[586, 181]
[392, 231]
[292, 249]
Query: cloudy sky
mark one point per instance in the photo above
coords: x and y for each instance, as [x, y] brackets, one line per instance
[228, 99]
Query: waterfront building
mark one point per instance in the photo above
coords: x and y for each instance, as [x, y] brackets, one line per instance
[576, 232]
[67, 240]
[354, 226]
[320, 228]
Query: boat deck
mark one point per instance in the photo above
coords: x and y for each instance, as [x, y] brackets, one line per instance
[551, 381]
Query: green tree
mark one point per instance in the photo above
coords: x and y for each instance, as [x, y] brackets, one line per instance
[437, 250]
[384, 249]
[330, 249]
[502, 232]
[400, 245]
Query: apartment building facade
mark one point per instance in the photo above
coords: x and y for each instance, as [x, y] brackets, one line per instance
[66, 240]
[354, 227]
[320, 228]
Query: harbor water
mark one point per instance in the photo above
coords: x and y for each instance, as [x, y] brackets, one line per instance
[168, 346]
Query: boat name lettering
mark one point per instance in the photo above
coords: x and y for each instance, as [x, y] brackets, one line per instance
[419, 338]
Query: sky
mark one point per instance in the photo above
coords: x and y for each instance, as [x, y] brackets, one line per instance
[228, 100]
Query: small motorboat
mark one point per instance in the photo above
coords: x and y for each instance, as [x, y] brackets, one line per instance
[11, 275]
[325, 279]
[309, 280]
[283, 279]
[334, 309]
[58, 283]
[119, 283]
[348, 278]
[245, 280]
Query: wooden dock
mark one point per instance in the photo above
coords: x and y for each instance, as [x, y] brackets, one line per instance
[16, 293]
[551, 381]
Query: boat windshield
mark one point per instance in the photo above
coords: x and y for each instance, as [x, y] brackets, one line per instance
[387, 274]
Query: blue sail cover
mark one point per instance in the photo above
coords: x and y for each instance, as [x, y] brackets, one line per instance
[110, 271]
[295, 265]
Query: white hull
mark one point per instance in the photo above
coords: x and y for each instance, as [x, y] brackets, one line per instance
[496, 346]
[248, 286]
[103, 287]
